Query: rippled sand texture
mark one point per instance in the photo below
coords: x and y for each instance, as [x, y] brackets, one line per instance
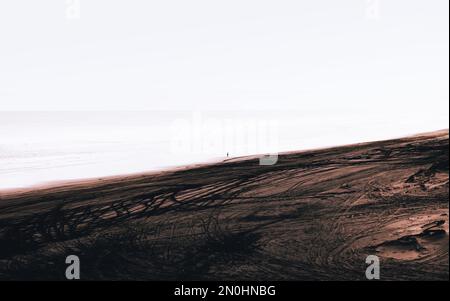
[314, 215]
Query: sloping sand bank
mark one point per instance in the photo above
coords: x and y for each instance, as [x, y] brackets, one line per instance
[314, 215]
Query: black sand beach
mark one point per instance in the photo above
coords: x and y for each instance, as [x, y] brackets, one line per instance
[314, 215]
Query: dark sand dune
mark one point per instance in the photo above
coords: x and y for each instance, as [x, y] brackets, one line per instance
[314, 215]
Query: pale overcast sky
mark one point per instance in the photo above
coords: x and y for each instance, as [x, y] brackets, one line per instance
[327, 72]
[364, 55]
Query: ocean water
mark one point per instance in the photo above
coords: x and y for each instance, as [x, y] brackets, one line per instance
[37, 147]
[41, 147]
